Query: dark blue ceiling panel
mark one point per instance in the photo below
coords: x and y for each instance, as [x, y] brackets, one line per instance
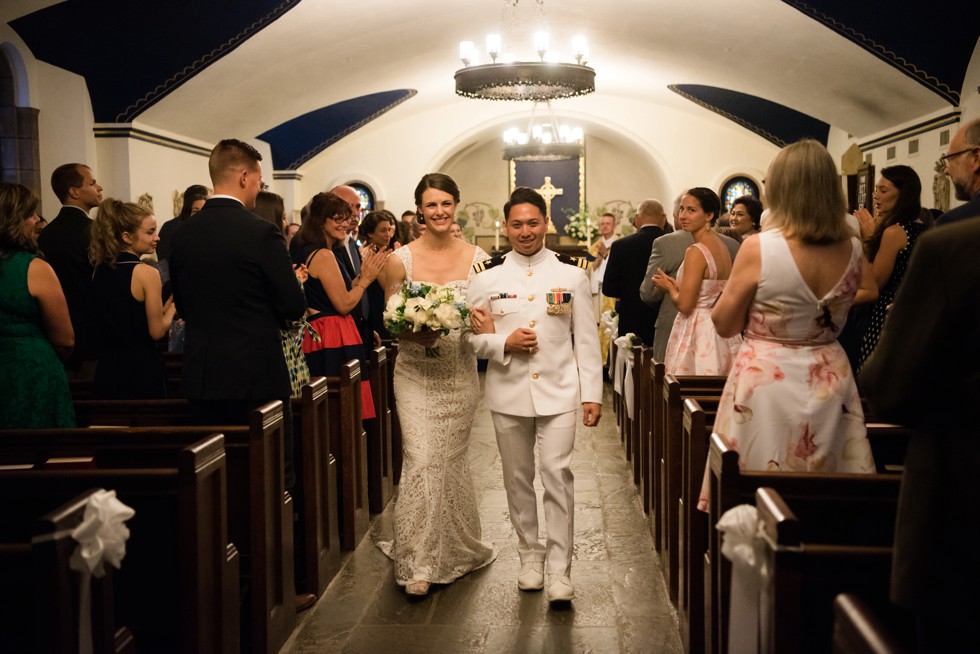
[132, 53]
[773, 122]
[298, 140]
[930, 42]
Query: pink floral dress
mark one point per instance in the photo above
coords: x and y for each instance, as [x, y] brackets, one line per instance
[790, 403]
[694, 346]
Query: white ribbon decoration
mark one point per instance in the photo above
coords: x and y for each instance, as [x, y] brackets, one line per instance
[610, 324]
[624, 368]
[744, 546]
[101, 539]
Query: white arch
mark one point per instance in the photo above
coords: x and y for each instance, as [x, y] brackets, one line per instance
[359, 178]
[22, 90]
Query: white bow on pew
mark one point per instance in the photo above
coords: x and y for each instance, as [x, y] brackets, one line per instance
[101, 538]
[624, 368]
[744, 545]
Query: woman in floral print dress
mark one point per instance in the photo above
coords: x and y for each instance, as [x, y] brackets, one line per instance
[790, 403]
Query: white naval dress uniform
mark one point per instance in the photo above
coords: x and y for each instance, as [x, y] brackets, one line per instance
[533, 398]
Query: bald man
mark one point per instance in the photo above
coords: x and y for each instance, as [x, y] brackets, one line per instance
[963, 168]
[627, 266]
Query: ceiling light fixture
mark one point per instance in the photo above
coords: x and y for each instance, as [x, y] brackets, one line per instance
[544, 140]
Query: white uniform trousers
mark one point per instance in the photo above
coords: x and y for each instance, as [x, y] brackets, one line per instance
[555, 437]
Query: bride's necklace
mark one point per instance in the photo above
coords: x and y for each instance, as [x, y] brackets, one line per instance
[427, 246]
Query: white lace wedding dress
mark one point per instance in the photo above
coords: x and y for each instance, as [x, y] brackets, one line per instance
[437, 525]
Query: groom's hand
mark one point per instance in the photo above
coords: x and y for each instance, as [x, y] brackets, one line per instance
[481, 322]
[521, 339]
[591, 412]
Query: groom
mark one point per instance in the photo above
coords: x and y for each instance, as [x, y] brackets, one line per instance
[535, 381]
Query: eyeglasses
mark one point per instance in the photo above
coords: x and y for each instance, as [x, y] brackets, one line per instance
[340, 220]
[944, 160]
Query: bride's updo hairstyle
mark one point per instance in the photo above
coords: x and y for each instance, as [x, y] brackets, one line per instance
[710, 202]
[438, 181]
[804, 194]
[323, 206]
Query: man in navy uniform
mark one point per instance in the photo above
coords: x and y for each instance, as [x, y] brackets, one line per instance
[536, 379]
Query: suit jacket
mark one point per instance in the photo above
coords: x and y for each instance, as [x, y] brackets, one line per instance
[558, 377]
[64, 244]
[626, 266]
[668, 254]
[234, 286]
[968, 210]
[925, 373]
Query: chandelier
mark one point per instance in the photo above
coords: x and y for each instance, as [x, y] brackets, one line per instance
[509, 79]
[543, 141]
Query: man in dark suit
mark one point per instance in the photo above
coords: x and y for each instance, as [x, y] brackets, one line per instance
[626, 266]
[234, 286]
[925, 373]
[65, 246]
[963, 168]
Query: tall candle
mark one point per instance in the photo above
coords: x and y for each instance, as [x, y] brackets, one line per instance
[496, 236]
[588, 230]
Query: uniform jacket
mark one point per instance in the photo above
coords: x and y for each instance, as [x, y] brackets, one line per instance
[561, 375]
[234, 286]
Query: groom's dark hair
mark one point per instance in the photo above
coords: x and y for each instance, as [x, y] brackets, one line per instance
[525, 195]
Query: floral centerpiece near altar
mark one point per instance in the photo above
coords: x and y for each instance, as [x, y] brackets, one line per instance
[418, 307]
[578, 227]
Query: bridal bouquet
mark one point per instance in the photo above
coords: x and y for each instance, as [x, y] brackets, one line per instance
[417, 307]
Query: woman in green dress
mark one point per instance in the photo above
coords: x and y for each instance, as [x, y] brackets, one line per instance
[35, 327]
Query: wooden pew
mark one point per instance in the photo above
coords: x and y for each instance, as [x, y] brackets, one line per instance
[260, 518]
[809, 565]
[809, 493]
[645, 407]
[318, 557]
[698, 419]
[177, 588]
[641, 373]
[35, 554]
[318, 541]
[655, 391]
[396, 425]
[675, 389]
[380, 483]
[349, 445]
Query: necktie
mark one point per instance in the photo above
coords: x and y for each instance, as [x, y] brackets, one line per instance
[355, 259]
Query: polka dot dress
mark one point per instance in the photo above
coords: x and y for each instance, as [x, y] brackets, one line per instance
[887, 294]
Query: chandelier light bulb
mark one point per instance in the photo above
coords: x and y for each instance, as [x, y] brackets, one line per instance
[541, 44]
[466, 52]
[493, 46]
[581, 49]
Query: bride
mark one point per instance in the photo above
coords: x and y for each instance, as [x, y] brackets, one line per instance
[437, 526]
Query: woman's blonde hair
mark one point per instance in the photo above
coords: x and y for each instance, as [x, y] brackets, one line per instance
[113, 219]
[804, 194]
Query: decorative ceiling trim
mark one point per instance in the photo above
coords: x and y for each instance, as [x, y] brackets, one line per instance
[129, 132]
[175, 80]
[333, 138]
[885, 54]
[909, 132]
[769, 136]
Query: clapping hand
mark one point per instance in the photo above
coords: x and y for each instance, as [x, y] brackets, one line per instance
[302, 274]
[867, 222]
[664, 281]
[373, 263]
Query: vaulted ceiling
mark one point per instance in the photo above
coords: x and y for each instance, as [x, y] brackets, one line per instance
[302, 74]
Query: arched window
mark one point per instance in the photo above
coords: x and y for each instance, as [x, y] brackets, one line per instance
[735, 188]
[366, 194]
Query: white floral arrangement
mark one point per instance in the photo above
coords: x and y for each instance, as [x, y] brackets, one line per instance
[628, 340]
[609, 321]
[418, 307]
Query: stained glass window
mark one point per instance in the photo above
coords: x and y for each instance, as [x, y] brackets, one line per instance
[367, 197]
[735, 188]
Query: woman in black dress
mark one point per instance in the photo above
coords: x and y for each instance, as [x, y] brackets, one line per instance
[129, 303]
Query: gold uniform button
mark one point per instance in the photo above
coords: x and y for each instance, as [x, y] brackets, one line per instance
[530, 298]
[531, 324]
[530, 272]
[534, 376]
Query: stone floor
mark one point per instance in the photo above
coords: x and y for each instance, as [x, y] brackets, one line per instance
[620, 600]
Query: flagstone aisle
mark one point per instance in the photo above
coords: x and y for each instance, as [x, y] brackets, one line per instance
[620, 600]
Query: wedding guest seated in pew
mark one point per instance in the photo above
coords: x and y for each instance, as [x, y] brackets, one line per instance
[35, 327]
[695, 347]
[331, 293]
[131, 313]
[925, 373]
[791, 403]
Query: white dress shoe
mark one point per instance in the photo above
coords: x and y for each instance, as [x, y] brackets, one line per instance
[560, 588]
[532, 576]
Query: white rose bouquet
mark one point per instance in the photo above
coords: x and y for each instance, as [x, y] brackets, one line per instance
[417, 307]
